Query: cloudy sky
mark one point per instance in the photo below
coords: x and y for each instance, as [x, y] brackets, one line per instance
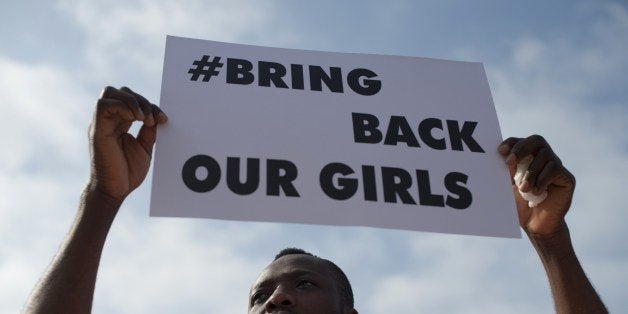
[557, 68]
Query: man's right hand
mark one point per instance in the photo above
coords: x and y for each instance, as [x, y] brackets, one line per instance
[120, 161]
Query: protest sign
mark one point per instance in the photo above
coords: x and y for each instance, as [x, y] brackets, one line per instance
[284, 135]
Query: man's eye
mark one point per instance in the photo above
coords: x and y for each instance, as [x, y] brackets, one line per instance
[259, 297]
[305, 284]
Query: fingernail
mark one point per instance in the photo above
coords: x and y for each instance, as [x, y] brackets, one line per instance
[150, 121]
[525, 186]
[526, 175]
[502, 149]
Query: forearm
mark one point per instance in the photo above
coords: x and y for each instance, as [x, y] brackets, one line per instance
[68, 284]
[571, 289]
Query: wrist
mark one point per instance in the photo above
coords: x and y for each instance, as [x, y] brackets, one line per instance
[98, 204]
[93, 193]
[561, 229]
[557, 242]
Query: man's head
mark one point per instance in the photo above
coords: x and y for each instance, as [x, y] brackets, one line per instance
[299, 282]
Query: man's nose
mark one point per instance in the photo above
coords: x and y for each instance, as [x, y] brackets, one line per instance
[280, 299]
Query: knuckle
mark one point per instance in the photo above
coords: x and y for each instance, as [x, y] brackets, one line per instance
[516, 148]
[127, 93]
[107, 91]
[100, 103]
[537, 138]
[556, 159]
[570, 177]
[512, 140]
[553, 167]
[543, 153]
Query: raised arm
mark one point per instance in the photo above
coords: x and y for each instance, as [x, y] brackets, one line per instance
[545, 225]
[119, 163]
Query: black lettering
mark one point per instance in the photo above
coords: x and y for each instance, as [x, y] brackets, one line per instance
[369, 87]
[396, 182]
[239, 71]
[457, 136]
[233, 175]
[346, 187]
[332, 81]
[400, 131]
[370, 189]
[296, 72]
[425, 132]
[189, 173]
[271, 72]
[365, 128]
[465, 198]
[425, 191]
[276, 180]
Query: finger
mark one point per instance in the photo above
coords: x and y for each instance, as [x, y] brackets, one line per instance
[160, 116]
[504, 150]
[113, 108]
[127, 98]
[506, 145]
[554, 174]
[512, 169]
[111, 116]
[146, 137]
[144, 104]
[106, 92]
[543, 156]
[148, 134]
[527, 146]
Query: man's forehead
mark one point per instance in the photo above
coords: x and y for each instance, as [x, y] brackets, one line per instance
[293, 265]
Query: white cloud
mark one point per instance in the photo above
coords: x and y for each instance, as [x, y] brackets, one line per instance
[42, 164]
[455, 274]
[527, 53]
[562, 92]
[167, 267]
[39, 102]
[126, 39]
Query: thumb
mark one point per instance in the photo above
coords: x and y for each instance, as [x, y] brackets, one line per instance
[146, 137]
[523, 211]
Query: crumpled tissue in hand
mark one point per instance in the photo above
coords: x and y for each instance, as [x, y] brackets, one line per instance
[521, 175]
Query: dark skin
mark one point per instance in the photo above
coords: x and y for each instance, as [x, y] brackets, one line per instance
[546, 172]
[120, 162]
[297, 284]
[545, 224]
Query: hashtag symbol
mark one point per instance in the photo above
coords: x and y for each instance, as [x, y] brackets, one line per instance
[205, 68]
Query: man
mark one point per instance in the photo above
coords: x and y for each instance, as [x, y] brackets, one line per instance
[296, 281]
[300, 282]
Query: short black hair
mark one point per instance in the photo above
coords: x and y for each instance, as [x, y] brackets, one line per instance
[346, 293]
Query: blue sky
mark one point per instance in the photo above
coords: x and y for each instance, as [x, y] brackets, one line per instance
[555, 68]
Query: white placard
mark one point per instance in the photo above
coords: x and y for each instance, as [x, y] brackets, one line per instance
[284, 135]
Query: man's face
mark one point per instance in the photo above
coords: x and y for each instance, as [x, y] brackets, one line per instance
[296, 283]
